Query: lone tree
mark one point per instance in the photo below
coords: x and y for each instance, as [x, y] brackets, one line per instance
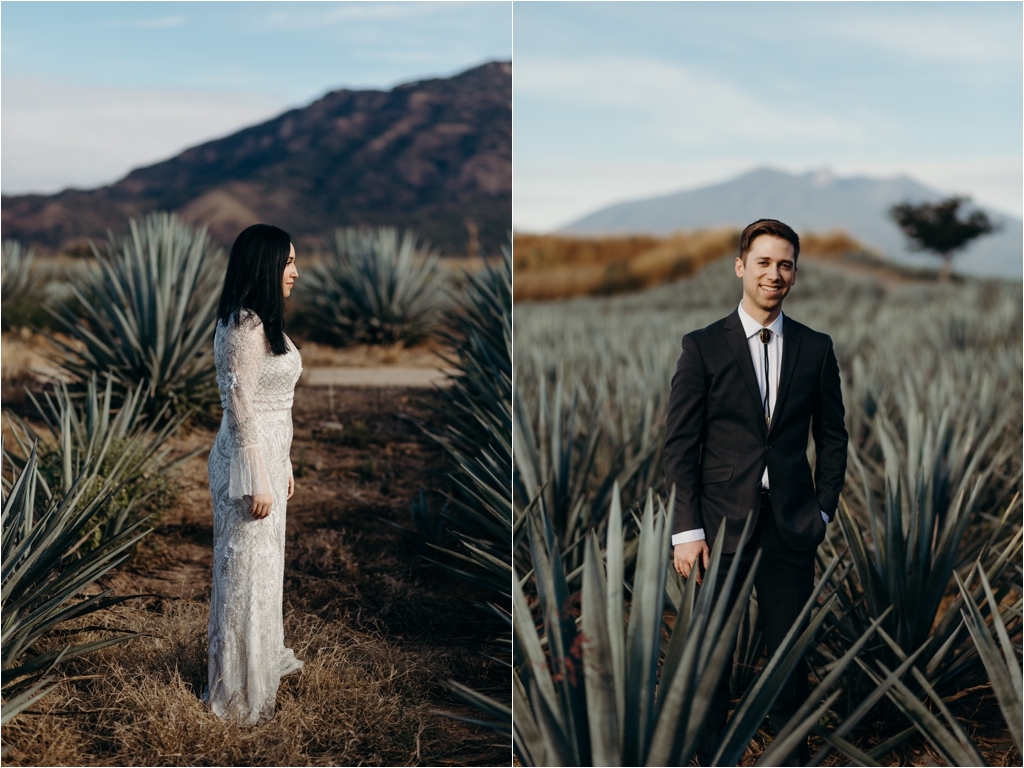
[936, 227]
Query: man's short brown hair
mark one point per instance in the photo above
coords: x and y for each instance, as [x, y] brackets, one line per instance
[768, 227]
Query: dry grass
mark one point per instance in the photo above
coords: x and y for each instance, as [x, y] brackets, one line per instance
[361, 699]
[830, 245]
[380, 631]
[24, 353]
[551, 267]
[542, 252]
[22, 364]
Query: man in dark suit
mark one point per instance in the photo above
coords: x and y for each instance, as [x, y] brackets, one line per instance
[746, 391]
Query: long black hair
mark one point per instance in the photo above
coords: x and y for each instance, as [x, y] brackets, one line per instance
[253, 280]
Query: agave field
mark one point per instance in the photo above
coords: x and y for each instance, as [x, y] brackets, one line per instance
[916, 641]
[402, 519]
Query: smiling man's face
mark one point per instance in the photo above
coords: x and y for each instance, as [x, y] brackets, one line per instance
[768, 274]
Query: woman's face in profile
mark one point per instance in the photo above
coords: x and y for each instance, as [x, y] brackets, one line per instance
[290, 273]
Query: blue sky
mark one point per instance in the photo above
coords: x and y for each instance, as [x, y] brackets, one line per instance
[618, 101]
[91, 90]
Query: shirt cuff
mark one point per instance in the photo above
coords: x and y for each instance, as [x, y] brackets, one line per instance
[824, 517]
[697, 534]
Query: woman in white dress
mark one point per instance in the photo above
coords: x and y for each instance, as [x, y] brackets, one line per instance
[251, 478]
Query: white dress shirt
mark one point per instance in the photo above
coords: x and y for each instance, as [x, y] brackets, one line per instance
[752, 329]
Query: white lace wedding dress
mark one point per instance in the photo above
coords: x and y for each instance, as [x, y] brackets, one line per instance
[248, 656]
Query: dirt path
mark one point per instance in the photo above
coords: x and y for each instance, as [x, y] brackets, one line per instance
[383, 376]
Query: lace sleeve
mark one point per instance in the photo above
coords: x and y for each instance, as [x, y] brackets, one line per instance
[244, 353]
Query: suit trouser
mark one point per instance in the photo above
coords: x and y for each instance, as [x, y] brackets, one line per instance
[784, 581]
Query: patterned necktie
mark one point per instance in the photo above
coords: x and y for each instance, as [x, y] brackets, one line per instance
[766, 336]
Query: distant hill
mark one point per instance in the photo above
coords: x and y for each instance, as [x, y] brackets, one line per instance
[812, 201]
[430, 155]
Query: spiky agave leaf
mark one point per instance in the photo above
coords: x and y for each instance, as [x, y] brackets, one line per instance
[906, 560]
[927, 472]
[498, 714]
[479, 335]
[557, 443]
[604, 692]
[948, 738]
[41, 581]
[150, 307]
[122, 445]
[476, 411]
[373, 287]
[1004, 670]
[18, 275]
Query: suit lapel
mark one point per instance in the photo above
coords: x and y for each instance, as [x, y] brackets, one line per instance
[738, 341]
[790, 352]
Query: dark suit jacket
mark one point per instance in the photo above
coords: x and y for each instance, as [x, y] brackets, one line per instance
[717, 444]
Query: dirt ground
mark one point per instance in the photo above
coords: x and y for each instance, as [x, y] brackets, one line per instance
[381, 629]
[426, 355]
[25, 352]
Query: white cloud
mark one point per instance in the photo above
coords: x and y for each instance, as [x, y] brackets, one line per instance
[55, 135]
[947, 39]
[678, 103]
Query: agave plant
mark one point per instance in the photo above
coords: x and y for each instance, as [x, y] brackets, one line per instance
[476, 411]
[948, 424]
[373, 287]
[19, 273]
[937, 478]
[933, 720]
[936, 723]
[480, 513]
[942, 730]
[561, 461]
[477, 414]
[150, 307]
[609, 691]
[44, 575]
[22, 285]
[123, 446]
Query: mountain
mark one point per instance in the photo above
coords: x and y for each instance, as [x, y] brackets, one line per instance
[811, 201]
[434, 155]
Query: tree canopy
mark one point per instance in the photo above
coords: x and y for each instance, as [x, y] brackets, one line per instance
[937, 227]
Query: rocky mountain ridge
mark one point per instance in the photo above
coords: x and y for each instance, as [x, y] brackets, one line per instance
[434, 155]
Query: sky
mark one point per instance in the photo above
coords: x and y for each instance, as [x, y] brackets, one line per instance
[621, 101]
[91, 90]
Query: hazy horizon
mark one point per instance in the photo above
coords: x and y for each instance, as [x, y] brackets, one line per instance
[733, 176]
